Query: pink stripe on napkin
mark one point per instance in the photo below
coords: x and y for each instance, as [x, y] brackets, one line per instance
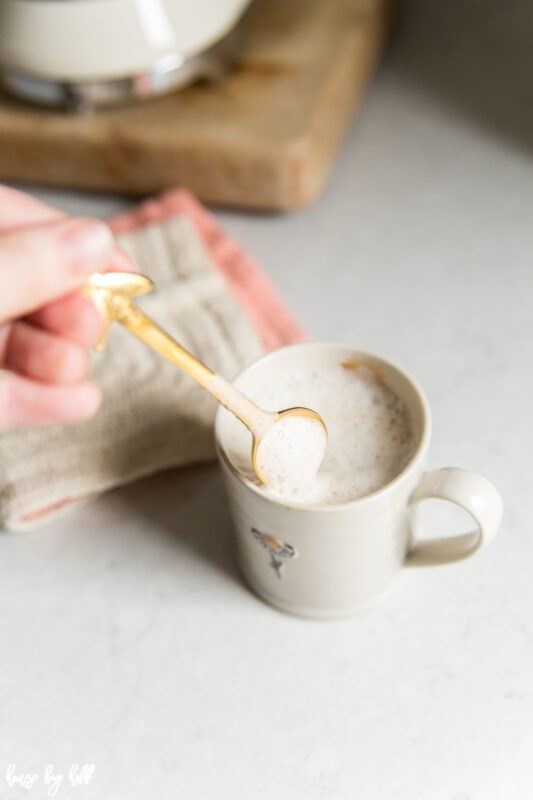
[250, 287]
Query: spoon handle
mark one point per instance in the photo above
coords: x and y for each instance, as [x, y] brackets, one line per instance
[138, 323]
[155, 337]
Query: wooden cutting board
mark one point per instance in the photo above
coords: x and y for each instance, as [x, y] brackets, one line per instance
[264, 138]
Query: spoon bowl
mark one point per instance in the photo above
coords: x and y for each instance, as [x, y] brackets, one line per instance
[289, 453]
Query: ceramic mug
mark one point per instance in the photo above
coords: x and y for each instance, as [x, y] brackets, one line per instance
[327, 561]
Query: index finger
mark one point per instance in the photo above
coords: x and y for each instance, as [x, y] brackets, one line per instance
[18, 208]
[45, 262]
[75, 316]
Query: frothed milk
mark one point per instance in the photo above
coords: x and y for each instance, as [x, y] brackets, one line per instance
[370, 439]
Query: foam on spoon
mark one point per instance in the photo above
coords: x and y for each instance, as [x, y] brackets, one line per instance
[290, 454]
[290, 449]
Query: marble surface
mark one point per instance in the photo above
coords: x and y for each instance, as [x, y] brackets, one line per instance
[127, 639]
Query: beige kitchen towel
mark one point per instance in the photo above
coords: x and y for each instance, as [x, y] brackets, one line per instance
[215, 301]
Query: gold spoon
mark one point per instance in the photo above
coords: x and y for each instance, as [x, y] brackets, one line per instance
[113, 293]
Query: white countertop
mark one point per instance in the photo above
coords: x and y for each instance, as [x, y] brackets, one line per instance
[127, 638]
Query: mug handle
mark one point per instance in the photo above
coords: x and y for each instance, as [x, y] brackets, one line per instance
[472, 492]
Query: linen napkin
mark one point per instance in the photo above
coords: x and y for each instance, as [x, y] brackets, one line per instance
[209, 295]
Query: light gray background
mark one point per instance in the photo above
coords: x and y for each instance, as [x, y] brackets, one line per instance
[128, 641]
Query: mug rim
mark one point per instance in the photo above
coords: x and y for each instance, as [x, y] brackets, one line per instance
[329, 507]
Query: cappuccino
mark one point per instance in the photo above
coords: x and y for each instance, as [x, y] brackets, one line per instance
[370, 439]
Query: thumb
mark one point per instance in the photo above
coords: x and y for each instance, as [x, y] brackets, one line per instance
[44, 262]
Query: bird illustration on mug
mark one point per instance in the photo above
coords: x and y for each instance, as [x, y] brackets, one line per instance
[277, 550]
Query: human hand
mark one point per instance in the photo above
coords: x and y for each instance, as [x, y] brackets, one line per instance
[46, 326]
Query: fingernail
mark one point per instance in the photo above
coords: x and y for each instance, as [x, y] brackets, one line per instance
[88, 244]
